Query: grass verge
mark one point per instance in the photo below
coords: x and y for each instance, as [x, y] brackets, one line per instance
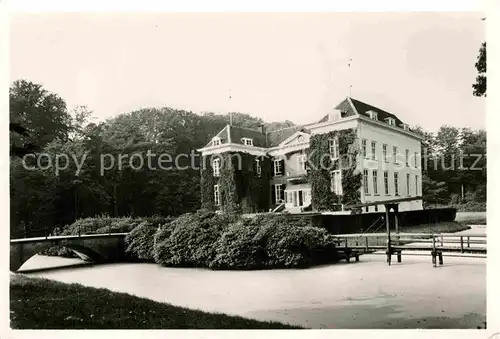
[37, 303]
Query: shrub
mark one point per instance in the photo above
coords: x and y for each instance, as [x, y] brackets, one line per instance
[190, 240]
[239, 247]
[140, 241]
[273, 241]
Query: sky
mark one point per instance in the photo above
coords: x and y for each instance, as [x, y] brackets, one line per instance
[276, 66]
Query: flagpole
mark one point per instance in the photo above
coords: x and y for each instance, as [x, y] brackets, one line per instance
[229, 109]
[349, 76]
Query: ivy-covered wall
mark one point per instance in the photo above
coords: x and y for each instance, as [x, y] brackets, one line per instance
[207, 183]
[320, 166]
[241, 189]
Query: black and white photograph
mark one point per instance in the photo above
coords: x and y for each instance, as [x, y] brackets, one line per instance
[247, 170]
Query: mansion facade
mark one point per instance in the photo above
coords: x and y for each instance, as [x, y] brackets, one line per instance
[387, 162]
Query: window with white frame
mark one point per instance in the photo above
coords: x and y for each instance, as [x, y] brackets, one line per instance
[216, 141]
[216, 167]
[373, 115]
[374, 150]
[384, 151]
[408, 184]
[302, 159]
[386, 182]
[363, 148]
[258, 167]
[391, 121]
[405, 127]
[396, 183]
[216, 195]
[247, 141]
[415, 159]
[375, 182]
[279, 193]
[333, 146]
[395, 154]
[336, 182]
[407, 157]
[278, 166]
[416, 185]
[365, 181]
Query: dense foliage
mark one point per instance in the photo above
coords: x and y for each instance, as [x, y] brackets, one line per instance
[42, 199]
[217, 241]
[321, 166]
[241, 189]
[479, 88]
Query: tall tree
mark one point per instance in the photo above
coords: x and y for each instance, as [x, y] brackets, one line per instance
[43, 114]
[479, 88]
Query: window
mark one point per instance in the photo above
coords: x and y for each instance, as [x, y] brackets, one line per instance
[415, 159]
[374, 149]
[396, 184]
[384, 151]
[258, 167]
[416, 185]
[407, 157]
[216, 141]
[302, 159]
[373, 115]
[386, 182]
[391, 121]
[336, 182]
[364, 148]
[408, 184]
[405, 127]
[278, 167]
[279, 192]
[333, 146]
[216, 195]
[247, 141]
[375, 182]
[395, 154]
[365, 181]
[216, 167]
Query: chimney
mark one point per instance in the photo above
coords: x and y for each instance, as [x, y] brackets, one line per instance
[262, 129]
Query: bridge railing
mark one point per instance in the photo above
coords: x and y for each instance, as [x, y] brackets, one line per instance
[415, 241]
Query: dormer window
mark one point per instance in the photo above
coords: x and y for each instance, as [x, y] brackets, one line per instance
[247, 141]
[373, 115]
[391, 121]
[216, 141]
[405, 127]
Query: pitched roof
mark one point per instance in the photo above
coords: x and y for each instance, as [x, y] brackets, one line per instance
[237, 133]
[348, 106]
[363, 108]
[274, 138]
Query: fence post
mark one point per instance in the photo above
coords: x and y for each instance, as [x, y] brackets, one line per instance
[366, 243]
[441, 240]
[434, 250]
[462, 244]
[468, 242]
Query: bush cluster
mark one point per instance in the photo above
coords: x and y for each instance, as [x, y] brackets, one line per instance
[106, 224]
[217, 241]
[208, 239]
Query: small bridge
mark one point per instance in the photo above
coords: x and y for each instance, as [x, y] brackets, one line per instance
[90, 247]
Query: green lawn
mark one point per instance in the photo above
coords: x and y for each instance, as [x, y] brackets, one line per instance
[45, 304]
[471, 218]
